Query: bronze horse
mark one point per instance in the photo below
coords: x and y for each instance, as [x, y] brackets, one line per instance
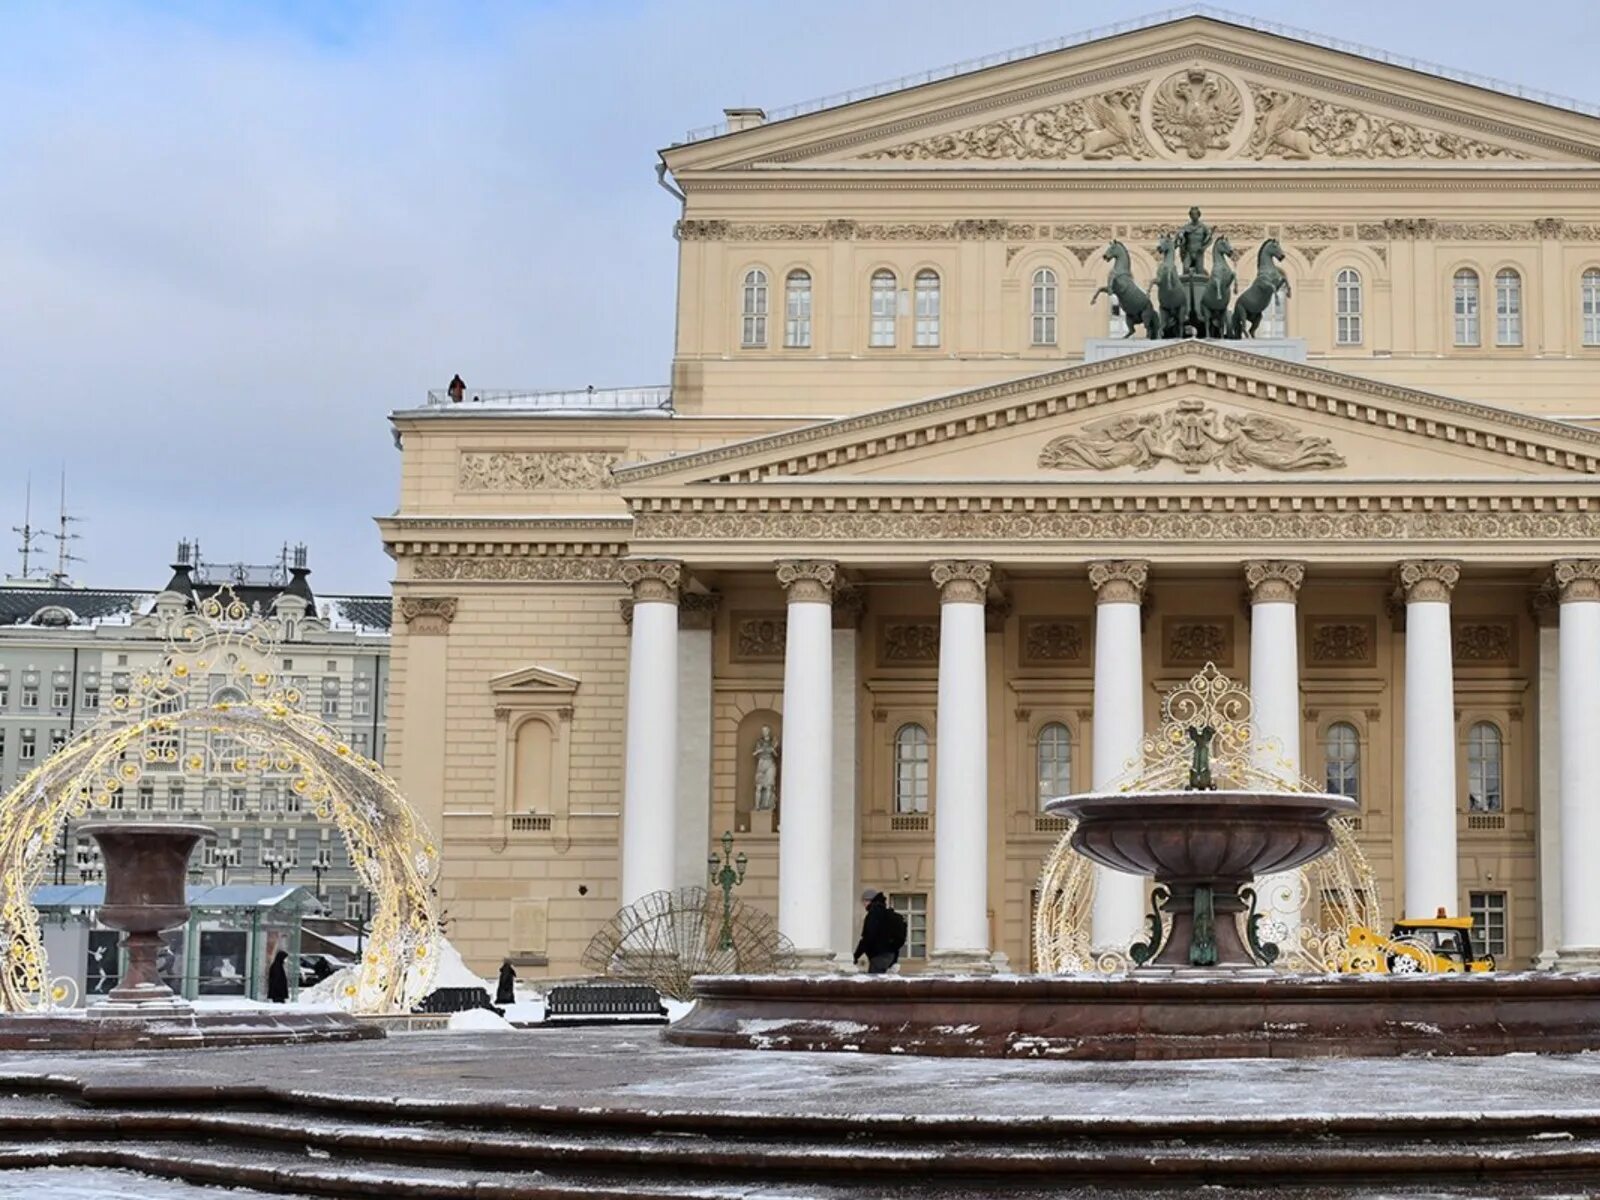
[1213, 314]
[1174, 296]
[1136, 306]
[1254, 299]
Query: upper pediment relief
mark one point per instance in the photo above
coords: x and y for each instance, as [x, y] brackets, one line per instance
[1202, 113]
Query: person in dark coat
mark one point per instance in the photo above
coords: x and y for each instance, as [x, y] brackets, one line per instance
[278, 979]
[882, 933]
[506, 993]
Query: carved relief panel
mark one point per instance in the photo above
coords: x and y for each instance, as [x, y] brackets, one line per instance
[758, 637]
[1340, 642]
[1195, 641]
[908, 643]
[1054, 642]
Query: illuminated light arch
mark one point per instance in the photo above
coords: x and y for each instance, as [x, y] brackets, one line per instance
[151, 728]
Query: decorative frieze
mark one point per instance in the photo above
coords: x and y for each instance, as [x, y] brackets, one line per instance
[1577, 579]
[1341, 642]
[1119, 582]
[536, 471]
[908, 643]
[1315, 520]
[428, 614]
[961, 581]
[759, 637]
[518, 569]
[807, 580]
[1425, 580]
[653, 580]
[1484, 641]
[1053, 641]
[1194, 435]
[1096, 127]
[1193, 642]
[1295, 126]
[1273, 580]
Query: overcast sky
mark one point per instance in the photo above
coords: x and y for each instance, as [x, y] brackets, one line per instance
[234, 236]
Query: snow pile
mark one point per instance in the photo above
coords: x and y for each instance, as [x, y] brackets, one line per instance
[477, 1020]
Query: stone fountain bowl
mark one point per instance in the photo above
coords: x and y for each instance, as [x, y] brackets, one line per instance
[1202, 837]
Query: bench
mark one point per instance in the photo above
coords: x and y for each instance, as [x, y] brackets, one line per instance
[601, 1003]
[457, 999]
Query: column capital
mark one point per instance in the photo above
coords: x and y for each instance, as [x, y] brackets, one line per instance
[1425, 579]
[698, 610]
[428, 614]
[1119, 581]
[1577, 579]
[1273, 580]
[961, 581]
[849, 606]
[808, 580]
[652, 579]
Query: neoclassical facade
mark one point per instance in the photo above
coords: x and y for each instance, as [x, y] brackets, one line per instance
[905, 508]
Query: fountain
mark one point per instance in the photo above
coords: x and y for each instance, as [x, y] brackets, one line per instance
[146, 869]
[1206, 811]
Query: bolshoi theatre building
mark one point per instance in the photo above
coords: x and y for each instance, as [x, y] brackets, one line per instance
[916, 537]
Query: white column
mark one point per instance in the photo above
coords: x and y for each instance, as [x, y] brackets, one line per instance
[1275, 714]
[961, 773]
[1546, 614]
[805, 832]
[649, 785]
[1118, 731]
[1579, 692]
[696, 615]
[846, 883]
[1430, 740]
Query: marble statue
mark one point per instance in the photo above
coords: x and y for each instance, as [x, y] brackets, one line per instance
[766, 756]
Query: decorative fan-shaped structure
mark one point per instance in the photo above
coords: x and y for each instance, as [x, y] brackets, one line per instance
[667, 938]
[175, 720]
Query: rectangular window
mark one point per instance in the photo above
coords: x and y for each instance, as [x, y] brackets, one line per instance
[212, 798]
[30, 695]
[926, 331]
[330, 706]
[28, 747]
[1488, 910]
[883, 310]
[236, 800]
[361, 706]
[60, 696]
[147, 797]
[913, 906]
[58, 739]
[91, 696]
[175, 798]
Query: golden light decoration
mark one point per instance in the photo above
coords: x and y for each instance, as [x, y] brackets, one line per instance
[1308, 912]
[390, 849]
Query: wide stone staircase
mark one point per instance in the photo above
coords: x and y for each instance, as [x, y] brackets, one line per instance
[303, 1143]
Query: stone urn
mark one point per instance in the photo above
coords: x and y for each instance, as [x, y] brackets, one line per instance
[147, 868]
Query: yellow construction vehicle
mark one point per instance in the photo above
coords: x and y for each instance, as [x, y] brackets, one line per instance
[1439, 945]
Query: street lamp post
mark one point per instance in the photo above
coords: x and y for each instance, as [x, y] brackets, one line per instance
[727, 873]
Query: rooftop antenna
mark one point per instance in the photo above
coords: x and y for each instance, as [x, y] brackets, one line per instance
[27, 531]
[63, 535]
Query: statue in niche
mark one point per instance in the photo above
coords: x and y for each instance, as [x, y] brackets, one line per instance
[766, 782]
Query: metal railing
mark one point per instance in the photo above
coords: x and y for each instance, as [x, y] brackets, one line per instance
[968, 66]
[657, 398]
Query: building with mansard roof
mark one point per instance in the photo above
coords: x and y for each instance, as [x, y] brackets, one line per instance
[910, 503]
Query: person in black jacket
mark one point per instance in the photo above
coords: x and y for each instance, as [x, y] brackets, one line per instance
[883, 933]
[506, 992]
[278, 979]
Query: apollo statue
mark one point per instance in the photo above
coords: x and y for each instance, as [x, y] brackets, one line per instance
[766, 756]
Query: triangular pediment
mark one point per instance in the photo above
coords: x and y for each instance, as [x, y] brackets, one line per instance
[1196, 90]
[533, 681]
[1188, 411]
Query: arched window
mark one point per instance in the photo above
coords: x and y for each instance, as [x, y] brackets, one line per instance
[797, 310]
[1591, 307]
[1483, 768]
[1347, 307]
[926, 332]
[1275, 320]
[1508, 308]
[1341, 756]
[911, 769]
[1054, 761]
[754, 309]
[883, 298]
[1466, 308]
[1044, 307]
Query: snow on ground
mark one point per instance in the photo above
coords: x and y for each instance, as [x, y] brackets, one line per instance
[92, 1183]
[477, 1020]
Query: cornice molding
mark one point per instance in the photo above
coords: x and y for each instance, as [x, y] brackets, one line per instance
[1233, 373]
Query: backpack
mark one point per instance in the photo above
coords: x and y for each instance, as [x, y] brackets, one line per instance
[897, 926]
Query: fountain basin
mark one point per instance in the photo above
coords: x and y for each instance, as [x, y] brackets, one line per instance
[1202, 847]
